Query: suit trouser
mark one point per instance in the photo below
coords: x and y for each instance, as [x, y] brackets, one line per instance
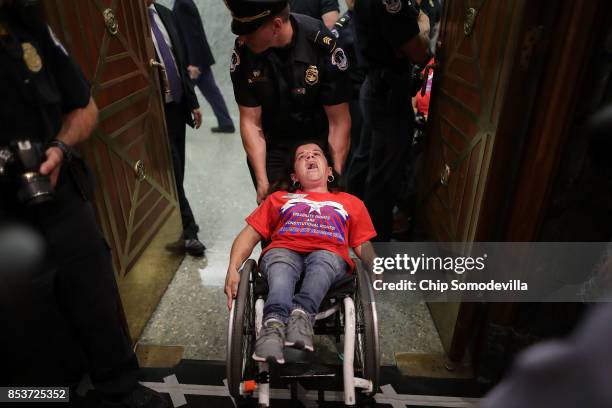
[385, 145]
[175, 120]
[67, 319]
[207, 85]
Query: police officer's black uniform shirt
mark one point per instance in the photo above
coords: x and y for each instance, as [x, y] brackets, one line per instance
[293, 84]
[344, 29]
[314, 8]
[39, 82]
[382, 27]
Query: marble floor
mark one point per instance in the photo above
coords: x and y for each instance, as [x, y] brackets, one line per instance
[193, 312]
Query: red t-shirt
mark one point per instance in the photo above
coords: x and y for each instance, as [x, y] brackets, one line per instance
[306, 222]
[422, 102]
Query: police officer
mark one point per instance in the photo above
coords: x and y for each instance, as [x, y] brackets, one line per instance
[291, 84]
[344, 29]
[65, 317]
[392, 36]
[324, 10]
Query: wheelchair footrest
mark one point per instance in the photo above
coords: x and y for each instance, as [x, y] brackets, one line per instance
[296, 372]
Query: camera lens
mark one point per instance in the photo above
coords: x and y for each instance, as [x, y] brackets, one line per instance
[35, 189]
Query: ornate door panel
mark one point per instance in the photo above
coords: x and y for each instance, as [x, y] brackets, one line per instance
[129, 152]
[470, 87]
[478, 43]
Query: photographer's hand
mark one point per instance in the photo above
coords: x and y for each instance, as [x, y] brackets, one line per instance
[76, 127]
[53, 164]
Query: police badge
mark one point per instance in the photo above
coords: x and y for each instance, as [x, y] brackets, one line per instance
[311, 75]
[31, 57]
[392, 6]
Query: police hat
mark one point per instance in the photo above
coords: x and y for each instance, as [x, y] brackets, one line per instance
[249, 15]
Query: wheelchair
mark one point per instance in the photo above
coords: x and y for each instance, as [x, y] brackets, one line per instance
[348, 310]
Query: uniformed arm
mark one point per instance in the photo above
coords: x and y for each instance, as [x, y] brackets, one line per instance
[254, 144]
[330, 18]
[330, 11]
[339, 120]
[76, 127]
[417, 48]
[241, 249]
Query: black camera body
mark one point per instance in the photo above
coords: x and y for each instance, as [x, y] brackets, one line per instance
[20, 162]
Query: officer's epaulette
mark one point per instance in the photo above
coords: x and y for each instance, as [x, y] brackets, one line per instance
[325, 39]
[344, 20]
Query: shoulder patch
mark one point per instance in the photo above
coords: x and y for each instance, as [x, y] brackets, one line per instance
[326, 40]
[392, 6]
[234, 60]
[339, 59]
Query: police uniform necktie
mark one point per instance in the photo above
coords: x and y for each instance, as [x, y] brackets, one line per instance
[174, 79]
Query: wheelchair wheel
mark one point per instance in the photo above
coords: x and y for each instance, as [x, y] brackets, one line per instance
[366, 348]
[241, 332]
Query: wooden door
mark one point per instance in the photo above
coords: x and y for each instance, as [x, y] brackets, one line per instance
[478, 56]
[129, 153]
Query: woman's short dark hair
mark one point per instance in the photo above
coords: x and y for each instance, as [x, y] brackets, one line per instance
[286, 184]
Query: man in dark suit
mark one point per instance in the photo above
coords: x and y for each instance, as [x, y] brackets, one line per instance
[200, 59]
[181, 107]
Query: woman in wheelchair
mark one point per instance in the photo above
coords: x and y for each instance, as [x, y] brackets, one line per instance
[310, 226]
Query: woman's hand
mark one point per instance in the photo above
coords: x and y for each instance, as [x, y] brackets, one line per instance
[231, 286]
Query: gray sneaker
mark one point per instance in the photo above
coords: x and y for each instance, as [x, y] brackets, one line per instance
[299, 331]
[269, 345]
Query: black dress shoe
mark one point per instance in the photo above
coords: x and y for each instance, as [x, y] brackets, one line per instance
[223, 129]
[194, 247]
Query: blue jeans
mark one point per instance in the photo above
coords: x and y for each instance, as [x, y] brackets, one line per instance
[283, 268]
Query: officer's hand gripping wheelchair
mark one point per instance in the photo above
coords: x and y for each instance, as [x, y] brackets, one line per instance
[348, 310]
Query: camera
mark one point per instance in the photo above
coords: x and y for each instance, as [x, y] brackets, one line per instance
[20, 161]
